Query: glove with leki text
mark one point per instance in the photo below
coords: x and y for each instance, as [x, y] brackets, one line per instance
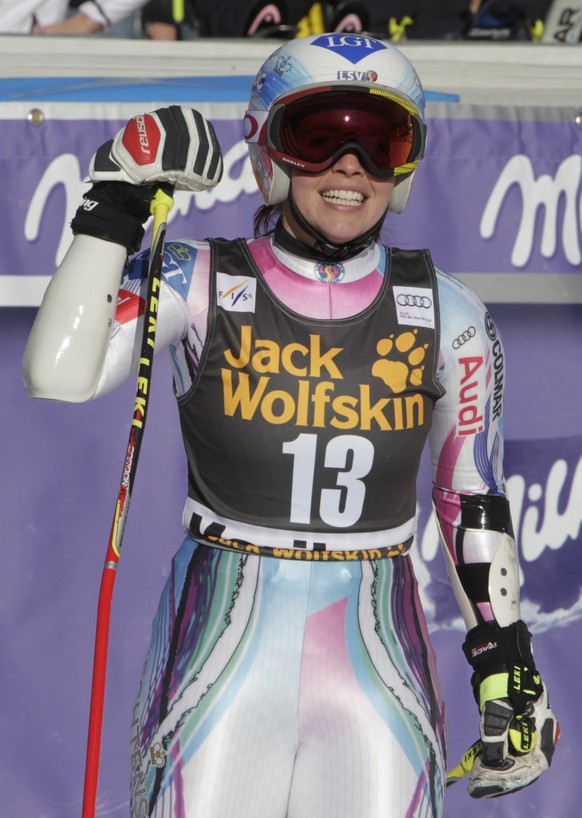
[518, 728]
[170, 148]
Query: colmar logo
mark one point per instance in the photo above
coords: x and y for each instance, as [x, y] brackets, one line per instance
[141, 139]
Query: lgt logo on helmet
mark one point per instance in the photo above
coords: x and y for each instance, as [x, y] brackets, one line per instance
[351, 46]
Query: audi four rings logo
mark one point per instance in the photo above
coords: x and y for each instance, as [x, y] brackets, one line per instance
[464, 337]
[409, 300]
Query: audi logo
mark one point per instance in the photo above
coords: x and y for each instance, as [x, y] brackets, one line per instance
[409, 300]
[469, 333]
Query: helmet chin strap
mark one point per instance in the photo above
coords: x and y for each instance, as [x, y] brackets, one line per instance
[327, 249]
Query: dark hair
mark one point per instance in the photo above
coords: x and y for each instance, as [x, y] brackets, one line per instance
[265, 219]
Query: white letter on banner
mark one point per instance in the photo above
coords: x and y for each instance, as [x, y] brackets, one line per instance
[63, 170]
[556, 527]
[545, 191]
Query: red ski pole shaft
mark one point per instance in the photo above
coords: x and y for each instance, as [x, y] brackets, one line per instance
[161, 205]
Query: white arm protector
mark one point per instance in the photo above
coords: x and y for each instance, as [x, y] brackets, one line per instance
[68, 342]
[503, 587]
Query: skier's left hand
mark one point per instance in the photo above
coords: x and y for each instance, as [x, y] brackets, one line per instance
[517, 726]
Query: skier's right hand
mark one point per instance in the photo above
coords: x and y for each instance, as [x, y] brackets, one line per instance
[174, 145]
[170, 148]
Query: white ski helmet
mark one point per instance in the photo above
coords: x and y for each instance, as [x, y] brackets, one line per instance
[370, 78]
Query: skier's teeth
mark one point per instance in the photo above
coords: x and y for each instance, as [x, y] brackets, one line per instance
[351, 197]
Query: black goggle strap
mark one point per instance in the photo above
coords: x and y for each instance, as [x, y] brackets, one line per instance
[358, 150]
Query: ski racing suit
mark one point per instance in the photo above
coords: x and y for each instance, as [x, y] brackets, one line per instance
[290, 671]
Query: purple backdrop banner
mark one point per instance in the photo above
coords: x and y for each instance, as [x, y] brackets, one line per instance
[497, 194]
[493, 195]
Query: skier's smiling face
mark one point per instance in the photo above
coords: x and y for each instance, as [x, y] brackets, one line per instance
[342, 202]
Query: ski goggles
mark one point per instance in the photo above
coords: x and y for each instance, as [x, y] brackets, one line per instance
[312, 130]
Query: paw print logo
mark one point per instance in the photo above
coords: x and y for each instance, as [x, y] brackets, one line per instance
[157, 755]
[405, 364]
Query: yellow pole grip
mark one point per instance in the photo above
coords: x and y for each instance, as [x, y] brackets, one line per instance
[178, 11]
[160, 206]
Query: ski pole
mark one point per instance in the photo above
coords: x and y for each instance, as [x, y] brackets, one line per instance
[465, 765]
[160, 206]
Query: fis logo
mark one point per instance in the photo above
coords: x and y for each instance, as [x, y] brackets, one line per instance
[354, 47]
[358, 76]
[236, 293]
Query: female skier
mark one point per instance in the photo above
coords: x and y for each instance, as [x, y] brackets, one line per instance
[290, 672]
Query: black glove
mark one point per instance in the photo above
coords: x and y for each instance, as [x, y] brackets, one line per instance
[518, 729]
